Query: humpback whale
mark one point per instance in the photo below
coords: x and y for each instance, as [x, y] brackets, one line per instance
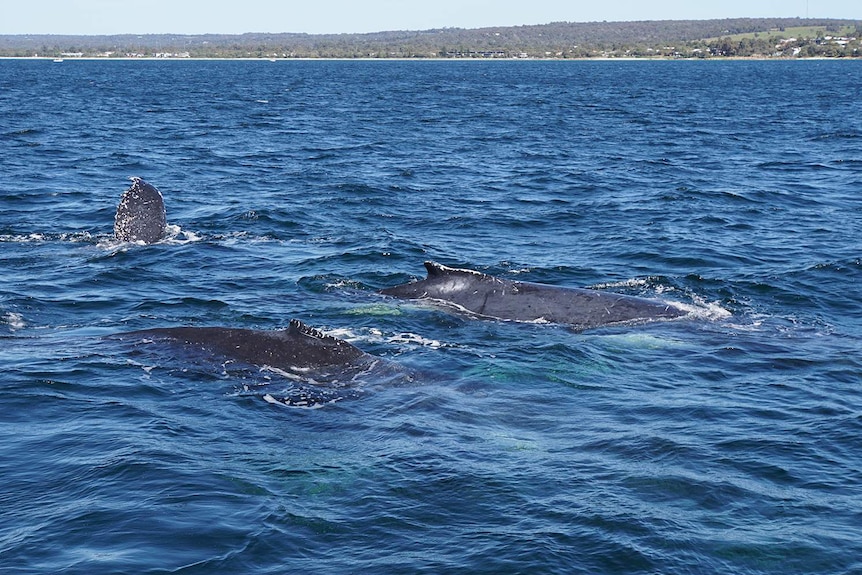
[299, 348]
[487, 296]
[320, 368]
[140, 214]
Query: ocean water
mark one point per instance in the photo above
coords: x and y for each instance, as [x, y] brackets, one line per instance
[726, 442]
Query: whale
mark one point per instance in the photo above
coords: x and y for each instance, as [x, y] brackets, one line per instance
[140, 214]
[489, 297]
[321, 368]
[298, 348]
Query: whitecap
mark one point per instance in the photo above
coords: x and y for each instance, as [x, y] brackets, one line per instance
[415, 339]
[301, 403]
[22, 238]
[702, 309]
[632, 283]
[14, 320]
[35, 237]
[342, 333]
[175, 235]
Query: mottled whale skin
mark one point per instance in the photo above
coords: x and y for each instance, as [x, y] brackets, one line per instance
[140, 214]
[298, 348]
[491, 297]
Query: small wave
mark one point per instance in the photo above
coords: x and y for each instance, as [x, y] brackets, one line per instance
[14, 320]
[345, 284]
[755, 324]
[702, 309]
[840, 135]
[302, 396]
[22, 238]
[111, 244]
[377, 336]
[698, 308]
[75, 237]
[648, 287]
[303, 402]
[416, 340]
[174, 236]
[148, 369]
[520, 271]
[315, 388]
[23, 132]
[244, 237]
[632, 283]
[345, 334]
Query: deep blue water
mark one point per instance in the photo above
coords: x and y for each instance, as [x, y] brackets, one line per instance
[729, 442]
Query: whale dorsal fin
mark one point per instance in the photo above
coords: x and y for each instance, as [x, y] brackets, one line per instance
[436, 270]
[296, 327]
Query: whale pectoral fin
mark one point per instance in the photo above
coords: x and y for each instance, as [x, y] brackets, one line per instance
[140, 215]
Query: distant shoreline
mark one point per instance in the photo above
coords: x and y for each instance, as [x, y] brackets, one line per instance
[749, 38]
[429, 59]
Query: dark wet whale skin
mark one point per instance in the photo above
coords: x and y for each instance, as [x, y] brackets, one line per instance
[299, 347]
[492, 297]
[140, 214]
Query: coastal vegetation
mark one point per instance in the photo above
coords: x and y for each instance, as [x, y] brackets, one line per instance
[735, 38]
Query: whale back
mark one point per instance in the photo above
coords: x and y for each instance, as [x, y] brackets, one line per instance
[299, 347]
[140, 214]
[491, 297]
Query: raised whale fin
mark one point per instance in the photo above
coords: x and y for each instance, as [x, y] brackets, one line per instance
[140, 215]
[296, 327]
[435, 269]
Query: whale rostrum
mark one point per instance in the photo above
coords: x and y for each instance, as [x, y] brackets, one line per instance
[488, 296]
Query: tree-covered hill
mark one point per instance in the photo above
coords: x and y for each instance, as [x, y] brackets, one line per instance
[742, 37]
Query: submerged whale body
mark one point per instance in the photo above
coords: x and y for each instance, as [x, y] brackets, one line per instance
[491, 297]
[321, 368]
[297, 348]
[140, 214]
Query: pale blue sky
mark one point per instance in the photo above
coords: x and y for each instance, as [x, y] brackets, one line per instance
[339, 16]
